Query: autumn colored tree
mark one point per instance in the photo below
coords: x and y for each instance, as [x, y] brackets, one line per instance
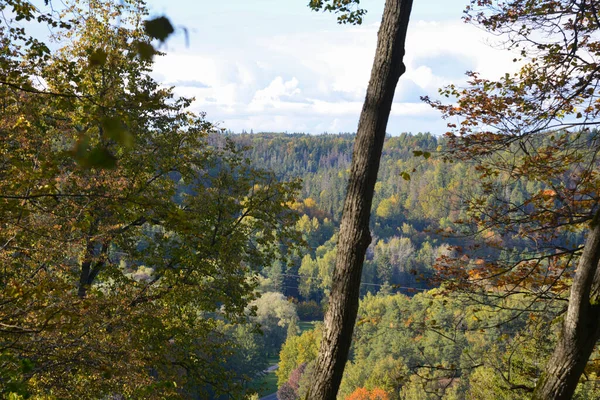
[354, 236]
[128, 231]
[296, 351]
[538, 125]
[365, 394]
[287, 392]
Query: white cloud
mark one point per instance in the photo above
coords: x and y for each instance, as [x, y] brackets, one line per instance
[429, 39]
[337, 109]
[421, 75]
[271, 96]
[412, 109]
[315, 80]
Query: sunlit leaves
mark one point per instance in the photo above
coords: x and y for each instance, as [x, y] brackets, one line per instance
[349, 11]
[556, 78]
[533, 128]
[114, 129]
[126, 229]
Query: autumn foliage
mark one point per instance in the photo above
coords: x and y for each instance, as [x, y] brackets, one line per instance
[537, 127]
[127, 232]
[365, 394]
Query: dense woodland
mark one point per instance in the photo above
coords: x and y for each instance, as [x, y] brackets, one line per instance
[414, 338]
[419, 208]
[144, 253]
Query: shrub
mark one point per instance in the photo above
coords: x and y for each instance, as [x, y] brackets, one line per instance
[309, 311]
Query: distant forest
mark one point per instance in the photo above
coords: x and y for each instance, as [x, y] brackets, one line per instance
[419, 334]
[418, 211]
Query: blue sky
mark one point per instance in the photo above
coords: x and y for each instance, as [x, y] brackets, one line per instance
[275, 65]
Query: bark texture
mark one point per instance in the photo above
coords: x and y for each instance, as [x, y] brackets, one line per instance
[581, 326]
[354, 236]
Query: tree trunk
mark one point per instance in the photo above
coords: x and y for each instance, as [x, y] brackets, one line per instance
[88, 257]
[89, 269]
[354, 236]
[581, 326]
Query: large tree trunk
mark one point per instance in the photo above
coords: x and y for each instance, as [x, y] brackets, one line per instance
[581, 326]
[354, 236]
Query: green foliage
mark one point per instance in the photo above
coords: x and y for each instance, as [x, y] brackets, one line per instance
[276, 316]
[388, 208]
[130, 234]
[348, 10]
[441, 200]
[316, 273]
[247, 358]
[297, 350]
[309, 311]
[119, 210]
[449, 346]
[394, 260]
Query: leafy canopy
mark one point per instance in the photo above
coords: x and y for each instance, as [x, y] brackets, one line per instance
[128, 229]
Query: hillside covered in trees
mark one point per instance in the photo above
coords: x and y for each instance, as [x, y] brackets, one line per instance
[416, 339]
[418, 207]
[465, 344]
[145, 253]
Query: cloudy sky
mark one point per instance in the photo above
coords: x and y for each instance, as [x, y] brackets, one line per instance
[277, 66]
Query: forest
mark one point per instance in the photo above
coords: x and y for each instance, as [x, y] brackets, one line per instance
[422, 333]
[147, 253]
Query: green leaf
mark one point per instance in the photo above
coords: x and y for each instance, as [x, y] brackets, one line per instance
[405, 176]
[81, 147]
[145, 50]
[418, 153]
[26, 365]
[98, 58]
[99, 157]
[159, 28]
[115, 130]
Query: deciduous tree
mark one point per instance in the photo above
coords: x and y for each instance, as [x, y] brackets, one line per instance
[354, 236]
[538, 124]
[127, 230]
